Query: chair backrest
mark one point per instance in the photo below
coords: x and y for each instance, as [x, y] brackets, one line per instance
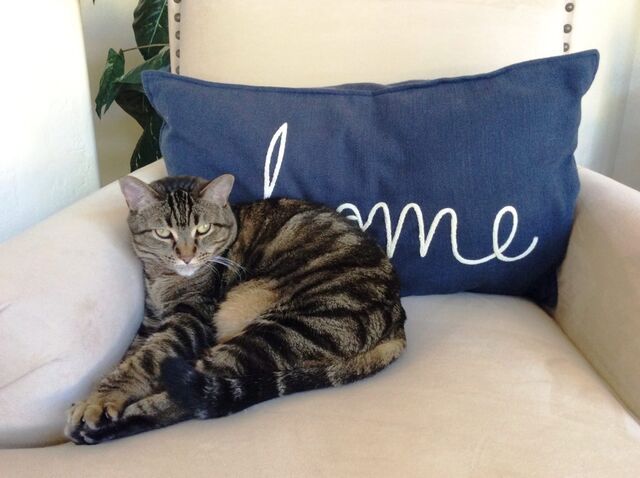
[324, 42]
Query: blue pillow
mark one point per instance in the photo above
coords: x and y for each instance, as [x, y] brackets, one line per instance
[469, 183]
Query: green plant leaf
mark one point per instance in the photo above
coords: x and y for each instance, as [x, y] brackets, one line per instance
[108, 89]
[156, 62]
[133, 101]
[148, 147]
[151, 25]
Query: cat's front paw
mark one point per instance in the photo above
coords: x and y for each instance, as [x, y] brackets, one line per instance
[98, 410]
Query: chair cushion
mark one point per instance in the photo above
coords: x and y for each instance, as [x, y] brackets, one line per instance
[488, 386]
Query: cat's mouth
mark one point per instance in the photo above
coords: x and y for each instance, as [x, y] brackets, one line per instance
[186, 270]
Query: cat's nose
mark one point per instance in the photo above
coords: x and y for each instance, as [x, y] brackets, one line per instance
[184, 255]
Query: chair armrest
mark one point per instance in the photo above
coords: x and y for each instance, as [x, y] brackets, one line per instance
[71, 299]
[599, 283]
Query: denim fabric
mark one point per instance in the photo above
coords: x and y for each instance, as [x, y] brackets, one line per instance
[472, 180]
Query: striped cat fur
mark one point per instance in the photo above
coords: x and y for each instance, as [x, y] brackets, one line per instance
[243, 303]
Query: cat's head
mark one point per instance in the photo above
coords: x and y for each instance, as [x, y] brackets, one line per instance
[180, 224]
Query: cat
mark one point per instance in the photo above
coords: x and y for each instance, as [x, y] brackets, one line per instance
[244, 303]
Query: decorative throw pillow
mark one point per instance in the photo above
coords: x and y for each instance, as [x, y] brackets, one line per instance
[469, 183]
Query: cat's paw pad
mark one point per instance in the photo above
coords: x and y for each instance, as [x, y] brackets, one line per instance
[93, 413]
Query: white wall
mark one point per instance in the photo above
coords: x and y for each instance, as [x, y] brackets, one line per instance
[627, 165]
[48, 155]
[612, 27]
[107, 24]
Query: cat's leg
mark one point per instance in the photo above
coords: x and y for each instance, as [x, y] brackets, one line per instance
[182, 335]
[223, 381]
[147, 327]
[272, 358]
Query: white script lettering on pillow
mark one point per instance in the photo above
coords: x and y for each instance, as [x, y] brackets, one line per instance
[270, 181]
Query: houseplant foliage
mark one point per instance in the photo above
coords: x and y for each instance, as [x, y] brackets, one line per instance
[151, 30]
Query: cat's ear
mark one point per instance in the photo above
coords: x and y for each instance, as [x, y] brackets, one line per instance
[137, 193]
[218, 190]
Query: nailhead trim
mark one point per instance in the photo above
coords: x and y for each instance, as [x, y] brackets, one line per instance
[567, 28]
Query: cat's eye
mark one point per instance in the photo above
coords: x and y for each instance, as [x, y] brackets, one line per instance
[203, 228]
[162, 233]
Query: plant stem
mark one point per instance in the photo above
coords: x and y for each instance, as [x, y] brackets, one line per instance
[144, 46]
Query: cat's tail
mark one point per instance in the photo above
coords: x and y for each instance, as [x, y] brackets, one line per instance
[211, 396]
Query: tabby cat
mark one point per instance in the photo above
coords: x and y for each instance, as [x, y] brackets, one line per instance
[243, 304]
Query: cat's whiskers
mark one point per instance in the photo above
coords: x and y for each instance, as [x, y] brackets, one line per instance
[212, 266]
[231, 262]
[233, 266]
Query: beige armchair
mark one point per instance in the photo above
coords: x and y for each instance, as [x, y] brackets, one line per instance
[489, 385]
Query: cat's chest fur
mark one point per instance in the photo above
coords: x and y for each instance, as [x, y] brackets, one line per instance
[165, 292]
